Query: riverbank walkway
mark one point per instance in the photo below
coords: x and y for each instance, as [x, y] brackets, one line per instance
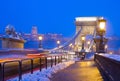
[79, 71]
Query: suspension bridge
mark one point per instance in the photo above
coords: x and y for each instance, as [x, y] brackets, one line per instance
[85, 27]
[86, 48]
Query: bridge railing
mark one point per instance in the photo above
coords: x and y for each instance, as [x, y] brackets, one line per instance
[54, 59]
[110, 67]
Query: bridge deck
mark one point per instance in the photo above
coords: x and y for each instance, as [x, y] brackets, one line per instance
[80, 71]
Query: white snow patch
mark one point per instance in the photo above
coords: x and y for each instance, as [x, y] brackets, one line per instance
[45, 74]
[112, 56]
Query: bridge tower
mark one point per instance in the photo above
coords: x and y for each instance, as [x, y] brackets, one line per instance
[88, 26]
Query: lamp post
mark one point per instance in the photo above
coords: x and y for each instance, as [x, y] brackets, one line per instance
[58, 43]
[83, 40]
[88, 43]
[100, 40]
[82, 53]
[102, 25]
[40, 41]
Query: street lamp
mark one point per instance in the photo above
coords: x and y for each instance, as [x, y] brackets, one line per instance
[83, 40]
[100, 40]
[88, 43]
[82, 53]
[101, 27]
[58, 43]
[40, 41]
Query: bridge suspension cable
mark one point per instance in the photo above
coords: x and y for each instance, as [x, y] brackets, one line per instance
[73, 40]
[92, 41]
[69, 42]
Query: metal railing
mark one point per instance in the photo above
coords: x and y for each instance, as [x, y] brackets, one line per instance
[3, 69]
[53, 61]
[110, 67]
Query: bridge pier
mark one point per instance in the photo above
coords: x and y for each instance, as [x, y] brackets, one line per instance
[100, 44]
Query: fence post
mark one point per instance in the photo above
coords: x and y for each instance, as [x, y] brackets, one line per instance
[61, 58]
[1, 74]
[55, 60]
[40, 64]
[51, 62]
[58, 59]
[31, 66]
[66, 57]
[20, 70]
[46, 62]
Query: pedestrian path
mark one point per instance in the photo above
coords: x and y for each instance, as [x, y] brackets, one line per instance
[80, 71]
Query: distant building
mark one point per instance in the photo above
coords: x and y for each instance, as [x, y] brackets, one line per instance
[31, 39]
[34, 30]
[53, 36]
[12, 39]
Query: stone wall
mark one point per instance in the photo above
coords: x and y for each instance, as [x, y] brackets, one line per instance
[12, 43]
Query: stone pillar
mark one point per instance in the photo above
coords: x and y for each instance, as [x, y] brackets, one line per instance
[100, 44]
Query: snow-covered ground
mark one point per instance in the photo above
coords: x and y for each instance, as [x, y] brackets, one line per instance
[45, 74]
[112, 56]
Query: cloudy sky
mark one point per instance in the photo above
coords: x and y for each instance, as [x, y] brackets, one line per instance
[57, 16]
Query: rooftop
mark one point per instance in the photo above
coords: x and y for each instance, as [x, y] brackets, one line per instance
[88, 18]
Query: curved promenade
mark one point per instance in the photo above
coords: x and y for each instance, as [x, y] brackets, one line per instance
[80, 71]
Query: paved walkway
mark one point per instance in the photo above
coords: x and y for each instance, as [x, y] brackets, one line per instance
[80, 71]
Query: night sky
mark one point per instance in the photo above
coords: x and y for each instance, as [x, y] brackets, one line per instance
[57, 16]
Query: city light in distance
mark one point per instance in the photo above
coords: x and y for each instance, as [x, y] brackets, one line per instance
[58, 42]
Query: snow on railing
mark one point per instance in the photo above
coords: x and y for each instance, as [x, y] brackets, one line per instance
[111, 56]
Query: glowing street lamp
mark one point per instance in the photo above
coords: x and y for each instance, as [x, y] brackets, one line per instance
[58, 43]
[88, 43]
[40, 38]
[101, 41]
[40, 41]
[83, 40]
[101, 26]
